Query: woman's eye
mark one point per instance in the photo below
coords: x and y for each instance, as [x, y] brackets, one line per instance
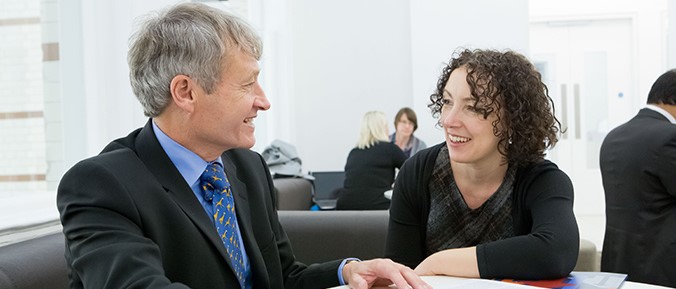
[475, 109]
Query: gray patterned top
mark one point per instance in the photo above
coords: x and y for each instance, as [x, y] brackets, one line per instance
[452, 224]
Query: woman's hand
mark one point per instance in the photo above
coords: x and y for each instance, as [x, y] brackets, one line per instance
[460, 262]
[426, 267]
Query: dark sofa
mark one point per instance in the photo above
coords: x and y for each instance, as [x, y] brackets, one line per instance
[315, 236]
[34, 264]
[318, 236]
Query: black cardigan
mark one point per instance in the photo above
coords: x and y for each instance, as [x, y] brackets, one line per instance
[546, 240]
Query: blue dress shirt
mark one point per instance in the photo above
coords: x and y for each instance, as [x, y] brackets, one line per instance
[191, 166]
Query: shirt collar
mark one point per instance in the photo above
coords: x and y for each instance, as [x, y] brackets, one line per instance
[662, 112]
[188, 163]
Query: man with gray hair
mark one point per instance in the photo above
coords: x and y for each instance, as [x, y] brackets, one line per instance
[183, 202]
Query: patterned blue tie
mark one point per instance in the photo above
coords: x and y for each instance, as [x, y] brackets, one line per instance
[216, 187]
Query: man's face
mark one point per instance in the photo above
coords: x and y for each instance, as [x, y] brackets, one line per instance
[223, 119]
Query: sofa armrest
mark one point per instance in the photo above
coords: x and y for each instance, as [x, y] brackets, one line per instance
[34, 264]
[587, 258]
[293, 193]
[319, 236]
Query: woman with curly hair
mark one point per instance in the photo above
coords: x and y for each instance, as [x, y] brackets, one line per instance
[485, 203]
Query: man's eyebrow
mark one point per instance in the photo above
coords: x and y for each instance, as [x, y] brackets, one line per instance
[255, 71]
[252, 76]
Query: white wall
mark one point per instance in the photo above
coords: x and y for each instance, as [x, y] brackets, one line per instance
[439, 27]
[325, 64]
[671, 35]
[97, 101]
[349, 57]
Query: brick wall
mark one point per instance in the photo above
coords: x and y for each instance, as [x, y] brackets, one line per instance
[22, 127]
[53, 139]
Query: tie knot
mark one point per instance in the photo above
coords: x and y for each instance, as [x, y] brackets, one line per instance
[213, 181]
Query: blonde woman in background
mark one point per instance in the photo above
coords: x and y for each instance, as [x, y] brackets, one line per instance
[370, 167]
[405, 124]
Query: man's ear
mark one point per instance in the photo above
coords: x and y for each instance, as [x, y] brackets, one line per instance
[182, 90]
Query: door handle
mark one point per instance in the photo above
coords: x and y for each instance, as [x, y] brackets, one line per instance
[576, 95]
[564, 110]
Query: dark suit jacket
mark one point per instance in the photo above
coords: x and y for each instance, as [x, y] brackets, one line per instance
[638, 166]
[131, 220]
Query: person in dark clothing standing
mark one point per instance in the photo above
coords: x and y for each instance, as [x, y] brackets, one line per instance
[638, 163]
[370, 167]
[485, 203]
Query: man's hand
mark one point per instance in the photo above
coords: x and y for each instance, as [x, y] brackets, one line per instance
[381, 272]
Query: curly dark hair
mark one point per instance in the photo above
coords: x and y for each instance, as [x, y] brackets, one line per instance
[508, 85]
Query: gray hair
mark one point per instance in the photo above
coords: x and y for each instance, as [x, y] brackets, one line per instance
[192, 39]
[373, 129]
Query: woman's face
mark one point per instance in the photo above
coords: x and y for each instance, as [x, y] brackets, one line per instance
[469, 136]
[404, 126]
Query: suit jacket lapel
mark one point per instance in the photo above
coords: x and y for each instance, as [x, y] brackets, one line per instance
[244, 219]
[151, 153]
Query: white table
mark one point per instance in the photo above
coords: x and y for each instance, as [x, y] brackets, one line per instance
[444, 282]
[635, 285]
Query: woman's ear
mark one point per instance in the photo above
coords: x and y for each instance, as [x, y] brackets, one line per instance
[182, 90]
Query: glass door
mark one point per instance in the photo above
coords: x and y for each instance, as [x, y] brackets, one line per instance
[587, 66]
